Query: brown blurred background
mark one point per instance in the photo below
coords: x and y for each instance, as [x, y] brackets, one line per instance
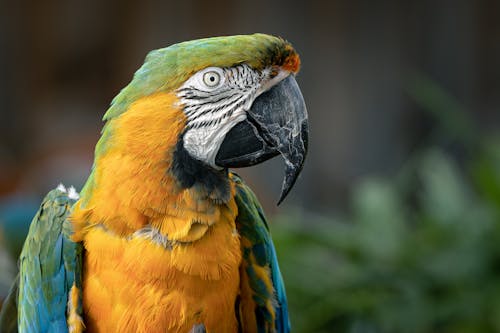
[62, 62]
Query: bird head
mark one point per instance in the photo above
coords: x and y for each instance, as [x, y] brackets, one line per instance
[240, 104]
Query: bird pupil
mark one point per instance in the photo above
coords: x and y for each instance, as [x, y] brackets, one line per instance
[212, 78]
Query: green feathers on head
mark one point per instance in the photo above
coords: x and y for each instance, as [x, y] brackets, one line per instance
[166, 69]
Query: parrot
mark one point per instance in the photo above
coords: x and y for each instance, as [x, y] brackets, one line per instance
[163, 236]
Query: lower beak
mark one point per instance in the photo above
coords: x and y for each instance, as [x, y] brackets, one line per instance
[275, 124]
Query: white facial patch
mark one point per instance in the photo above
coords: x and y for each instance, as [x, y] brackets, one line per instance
[204, 142]
[214, 100]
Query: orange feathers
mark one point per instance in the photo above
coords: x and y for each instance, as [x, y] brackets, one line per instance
[157, 257]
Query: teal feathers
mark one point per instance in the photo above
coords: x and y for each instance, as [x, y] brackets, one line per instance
[50, 263]
[252, 225]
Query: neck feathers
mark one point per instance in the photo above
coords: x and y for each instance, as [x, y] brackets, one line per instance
[143, 177]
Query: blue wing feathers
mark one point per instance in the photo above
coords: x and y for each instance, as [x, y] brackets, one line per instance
[252, 225]
[282, 321]
[49, 265]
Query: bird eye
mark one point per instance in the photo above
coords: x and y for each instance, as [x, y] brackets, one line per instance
[211, 79]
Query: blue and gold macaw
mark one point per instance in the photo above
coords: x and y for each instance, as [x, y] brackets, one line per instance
[162, 237]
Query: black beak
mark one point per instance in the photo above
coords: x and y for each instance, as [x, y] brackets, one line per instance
[275, 124]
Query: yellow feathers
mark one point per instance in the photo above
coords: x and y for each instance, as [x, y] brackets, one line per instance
[75, 322]
[132, 177]
[157, 257]
[128, 277]
[248, 304]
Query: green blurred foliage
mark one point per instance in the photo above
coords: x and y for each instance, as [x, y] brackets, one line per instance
[419, 252]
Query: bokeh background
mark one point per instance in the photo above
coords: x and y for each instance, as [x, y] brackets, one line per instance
[394, 225]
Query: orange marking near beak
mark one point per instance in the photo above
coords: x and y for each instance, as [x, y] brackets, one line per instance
[292, 63]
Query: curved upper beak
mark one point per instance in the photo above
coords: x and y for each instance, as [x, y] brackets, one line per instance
[275, 124]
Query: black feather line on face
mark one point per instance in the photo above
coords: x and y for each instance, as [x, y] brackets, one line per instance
[190, 172]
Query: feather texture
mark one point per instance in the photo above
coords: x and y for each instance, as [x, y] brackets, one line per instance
[263, 306]
[152, 244]
[50, 264]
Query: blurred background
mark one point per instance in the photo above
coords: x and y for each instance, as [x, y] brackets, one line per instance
[394, 225]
